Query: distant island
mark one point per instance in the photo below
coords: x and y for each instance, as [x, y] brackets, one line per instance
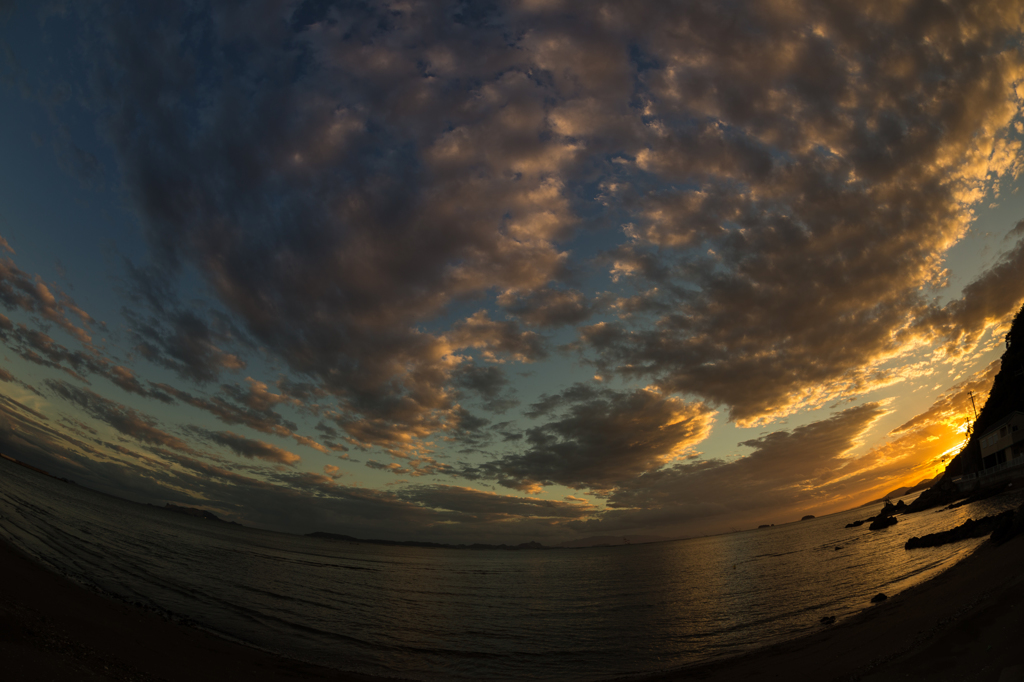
[808, 517]
[417, 543]
[199, 513]
[35, 469]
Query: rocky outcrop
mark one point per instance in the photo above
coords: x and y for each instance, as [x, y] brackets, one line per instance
[881, 522]
[968, 529]
[884, 518]
[1009, 527]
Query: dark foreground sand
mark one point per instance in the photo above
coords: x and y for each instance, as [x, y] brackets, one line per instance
[966, 624]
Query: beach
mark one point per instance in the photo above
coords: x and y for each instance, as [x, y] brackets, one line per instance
[965, 624]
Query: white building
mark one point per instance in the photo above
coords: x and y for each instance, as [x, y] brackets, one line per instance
[1004, 441]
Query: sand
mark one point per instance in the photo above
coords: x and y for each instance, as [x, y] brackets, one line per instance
[965, 624]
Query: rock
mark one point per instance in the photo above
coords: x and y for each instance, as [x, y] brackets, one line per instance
[888, 509]
[828, 620]
[1010, 526]
[1000, 525]
[808, 517]
[880, 597]
[881, 522]
[838, 548]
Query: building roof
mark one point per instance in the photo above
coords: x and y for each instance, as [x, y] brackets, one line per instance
[1013, 416]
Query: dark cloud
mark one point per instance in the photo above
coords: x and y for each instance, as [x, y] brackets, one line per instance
[490, 383]
[322, 193]
[991, 298]
[246, 447]
[255, 409]
[549, 307]
[185, 343]
[32, 295]
[498, 339]
[599, 438]
[41, 349]
[11, 379]
[124, 419]
[490, 507]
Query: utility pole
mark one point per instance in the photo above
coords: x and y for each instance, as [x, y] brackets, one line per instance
[971, 393]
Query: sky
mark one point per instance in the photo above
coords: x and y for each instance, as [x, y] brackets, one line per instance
[505, 271]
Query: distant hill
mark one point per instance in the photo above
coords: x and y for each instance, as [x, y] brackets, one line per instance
[907, 490]
[198, 513]
[1007, 395]
[612, 540]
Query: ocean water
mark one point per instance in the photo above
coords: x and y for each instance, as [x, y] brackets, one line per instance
[432, 614]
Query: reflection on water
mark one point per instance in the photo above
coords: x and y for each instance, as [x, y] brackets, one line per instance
[433, 613]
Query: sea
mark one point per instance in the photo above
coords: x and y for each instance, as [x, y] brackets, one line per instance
[431, 614]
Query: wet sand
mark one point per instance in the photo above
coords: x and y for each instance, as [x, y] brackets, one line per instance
[965, 624]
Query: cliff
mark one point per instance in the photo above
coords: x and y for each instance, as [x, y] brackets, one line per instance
[1007, 395]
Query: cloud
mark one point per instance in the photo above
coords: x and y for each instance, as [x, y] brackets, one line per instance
[420, 465]
[548, 307]
[347, 222]
[122, 418]
[40, 348]
[787, 471]
[32, 295]
[798, 195]
[255, 409]
[492, 507]
[185, 343]
[493, 338]
[11, 379]
[342, 191]
[990, 299]
[489, 382]
[599, 438]
[246, 447]
[391, 206]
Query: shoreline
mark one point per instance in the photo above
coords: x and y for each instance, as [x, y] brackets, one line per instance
[964, 623]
